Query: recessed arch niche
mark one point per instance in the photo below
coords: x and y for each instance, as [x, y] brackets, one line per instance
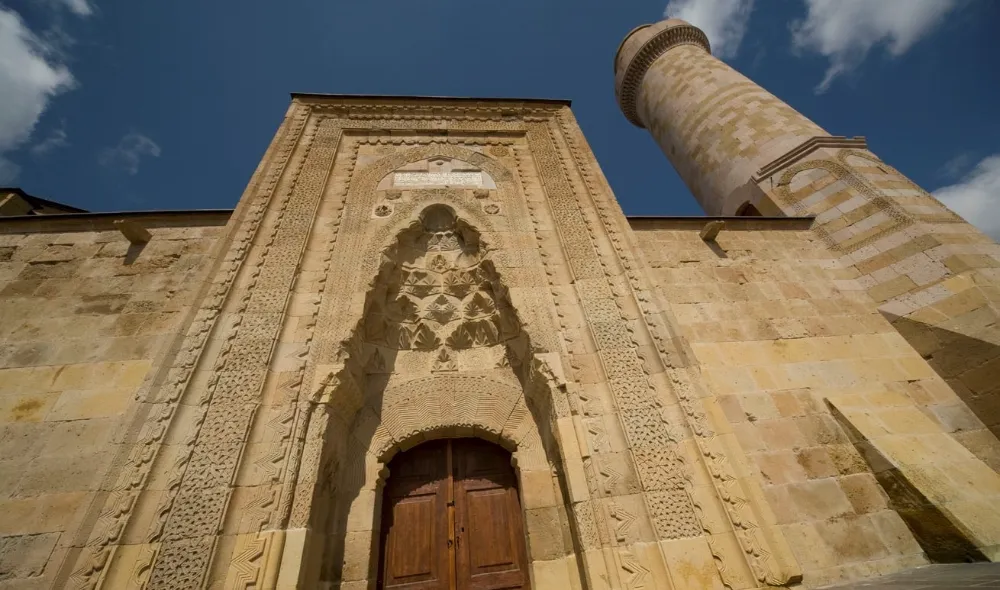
[438, 351]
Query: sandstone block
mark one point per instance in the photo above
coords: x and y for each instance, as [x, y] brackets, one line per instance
[25, 557]
[819, 499]
[90, 403]
[544, 532]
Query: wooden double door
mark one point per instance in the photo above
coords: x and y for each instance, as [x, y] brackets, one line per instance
[451, 519]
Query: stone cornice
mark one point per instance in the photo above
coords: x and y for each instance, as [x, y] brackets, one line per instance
[426, 108]
[807, 147]
[104, 221]
[651, 50]
[733, 223]
[313, 97]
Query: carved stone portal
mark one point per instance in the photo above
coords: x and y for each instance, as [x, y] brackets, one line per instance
[405, 271]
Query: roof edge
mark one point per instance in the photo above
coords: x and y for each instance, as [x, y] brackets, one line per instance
[39, 200]
[719, 217]
[558, 101]
[88, 215]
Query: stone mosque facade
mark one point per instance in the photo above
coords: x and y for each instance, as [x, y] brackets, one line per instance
[427, 350]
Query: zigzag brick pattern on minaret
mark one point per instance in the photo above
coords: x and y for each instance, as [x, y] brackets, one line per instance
[715, 125]
[723, 127]
[929, 272]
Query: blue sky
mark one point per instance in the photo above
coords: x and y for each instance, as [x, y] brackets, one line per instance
[123, 104]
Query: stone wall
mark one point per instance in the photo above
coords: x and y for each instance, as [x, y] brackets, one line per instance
[246, 429]
[933, 275]
[779, 327]
[84, 315]
[682, 413]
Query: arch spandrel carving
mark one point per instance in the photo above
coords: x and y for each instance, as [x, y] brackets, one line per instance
[437, 305]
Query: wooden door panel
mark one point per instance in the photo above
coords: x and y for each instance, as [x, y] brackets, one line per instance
[412, 552]
[415, 525]
[490, 553]
[488, 532]
[462, 490]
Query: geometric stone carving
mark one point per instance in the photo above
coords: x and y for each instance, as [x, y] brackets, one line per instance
[436, 289]
[672, 514]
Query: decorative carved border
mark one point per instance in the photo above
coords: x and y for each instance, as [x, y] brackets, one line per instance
[196, 512]
[131, 469]
[653, 445]
[183, 558]
[847, 175]
[336, 321]
[767, 567]
[651, 50]
[339, 315]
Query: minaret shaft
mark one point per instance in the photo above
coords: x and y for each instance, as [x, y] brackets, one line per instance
[934, 276]
[715, 125]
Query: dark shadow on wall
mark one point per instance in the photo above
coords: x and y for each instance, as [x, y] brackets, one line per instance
[971, 366]
[748, 210]
[940, 538]
[134, 250]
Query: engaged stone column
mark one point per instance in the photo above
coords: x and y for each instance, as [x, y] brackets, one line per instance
[715, 125]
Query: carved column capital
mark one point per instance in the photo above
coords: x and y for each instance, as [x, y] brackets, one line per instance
[641, 47]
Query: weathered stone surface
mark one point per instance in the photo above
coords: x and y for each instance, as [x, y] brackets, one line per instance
[768, 319]
[76, 350]
[734, 412]
[736, 146]
[930, 577]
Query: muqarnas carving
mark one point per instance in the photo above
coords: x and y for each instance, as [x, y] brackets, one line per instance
[436, 287]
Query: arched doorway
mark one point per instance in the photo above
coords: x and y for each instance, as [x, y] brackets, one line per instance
[748, 210]
[451, 519]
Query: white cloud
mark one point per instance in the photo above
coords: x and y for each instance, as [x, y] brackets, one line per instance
[57, 138]
[956, 166]
[723, 21]
[977, 196]
[129, 151]
[845, 30]
[29, 79]
[79, 7]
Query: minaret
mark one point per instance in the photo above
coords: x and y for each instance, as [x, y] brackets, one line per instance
[934, 276]
[715, 125]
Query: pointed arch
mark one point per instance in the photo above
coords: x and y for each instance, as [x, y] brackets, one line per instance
[465, 366]
[365, 237]
[404, 213]
[747, 209]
